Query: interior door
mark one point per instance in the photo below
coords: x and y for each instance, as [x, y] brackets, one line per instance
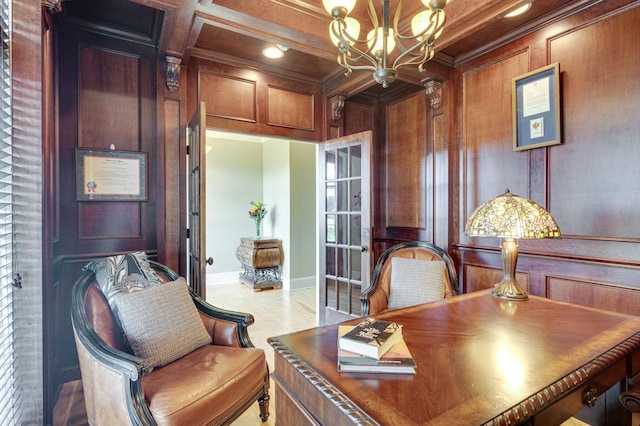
[196, 137]
[344, 192]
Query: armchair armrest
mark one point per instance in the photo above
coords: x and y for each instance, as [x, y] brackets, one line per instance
[111, 367]
[227, 328]
[373, 300]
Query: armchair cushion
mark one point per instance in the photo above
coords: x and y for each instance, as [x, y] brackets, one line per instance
[415, 281]
[204, 386]
[149, 320]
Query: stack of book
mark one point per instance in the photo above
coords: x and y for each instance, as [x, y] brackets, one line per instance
[374, 346]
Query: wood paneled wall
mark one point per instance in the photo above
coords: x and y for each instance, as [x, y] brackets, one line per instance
[433, 167]
[106, 95]
[588, 183]
[248, 101]
[412, 172]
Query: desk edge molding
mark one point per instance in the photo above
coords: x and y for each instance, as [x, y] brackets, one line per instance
[356, 414]
[535, 404]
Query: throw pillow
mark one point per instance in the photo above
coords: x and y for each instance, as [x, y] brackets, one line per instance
[161, 322]
[124, 272]
[415, 281]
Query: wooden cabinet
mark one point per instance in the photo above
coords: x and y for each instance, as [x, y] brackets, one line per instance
[260, 259]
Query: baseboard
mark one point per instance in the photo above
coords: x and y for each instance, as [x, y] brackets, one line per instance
[299, 283]
[223, 278]
[287, 284]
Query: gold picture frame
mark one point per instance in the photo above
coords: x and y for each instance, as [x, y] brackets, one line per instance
[536, 108]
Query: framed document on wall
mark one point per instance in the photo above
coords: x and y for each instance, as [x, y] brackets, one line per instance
[536, 108]
[103, 175]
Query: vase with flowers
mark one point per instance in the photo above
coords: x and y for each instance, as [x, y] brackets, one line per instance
[257, 212]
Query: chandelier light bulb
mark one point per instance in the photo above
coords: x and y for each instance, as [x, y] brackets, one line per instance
[330, 5]
[391, 43]
[427, 21]
[352, 30]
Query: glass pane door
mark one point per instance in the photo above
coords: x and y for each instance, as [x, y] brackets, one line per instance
[345, 225]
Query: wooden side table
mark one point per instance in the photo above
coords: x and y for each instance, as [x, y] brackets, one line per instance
[260, 259]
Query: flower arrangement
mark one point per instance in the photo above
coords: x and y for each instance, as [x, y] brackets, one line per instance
[257, 212]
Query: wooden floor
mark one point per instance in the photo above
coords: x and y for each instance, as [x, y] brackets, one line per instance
[275, 311]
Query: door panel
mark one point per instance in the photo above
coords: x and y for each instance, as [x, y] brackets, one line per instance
[196, 135]
[344, 193]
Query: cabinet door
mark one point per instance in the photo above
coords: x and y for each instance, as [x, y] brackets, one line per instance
[344, 192]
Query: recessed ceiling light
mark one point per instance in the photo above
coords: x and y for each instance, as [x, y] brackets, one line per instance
[275, 52]
[519, 11]
[272, 52]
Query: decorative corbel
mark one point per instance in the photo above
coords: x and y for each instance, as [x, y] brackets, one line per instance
[434, 92]
[172, 71]
[52, 6]
[337, 103]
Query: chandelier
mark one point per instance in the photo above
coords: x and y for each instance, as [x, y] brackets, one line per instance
[373, 52]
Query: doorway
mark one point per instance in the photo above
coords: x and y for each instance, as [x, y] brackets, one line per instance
[282, 174]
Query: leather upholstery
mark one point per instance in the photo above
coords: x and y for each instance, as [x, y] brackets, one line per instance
[375, 297]
[211, 385]
[212, 392]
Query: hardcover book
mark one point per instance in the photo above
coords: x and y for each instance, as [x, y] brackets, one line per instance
[397, 360]
[371, 337]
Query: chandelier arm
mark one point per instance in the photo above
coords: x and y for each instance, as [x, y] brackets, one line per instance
[438, 27]
[428, 45]
[358, 67]
[415, 59]
[429, 56]
[396, 20]
[342, 35]
[373, 16]
[420, 50]
[359, 55]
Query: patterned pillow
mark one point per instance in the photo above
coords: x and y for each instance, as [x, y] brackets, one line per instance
[123, 273]
[415, 281]
[161, 322]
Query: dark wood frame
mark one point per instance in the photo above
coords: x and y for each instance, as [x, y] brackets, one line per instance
[128, 155]
[550, 119]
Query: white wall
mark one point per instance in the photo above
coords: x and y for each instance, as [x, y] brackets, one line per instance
[233, 179]
[278, 172]
[303, 215]
[276, 189]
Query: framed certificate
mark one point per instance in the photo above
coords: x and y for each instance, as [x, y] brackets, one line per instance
[103, 175]
[536, 108]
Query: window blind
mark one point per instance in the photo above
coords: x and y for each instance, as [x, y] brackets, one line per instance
[7, 360]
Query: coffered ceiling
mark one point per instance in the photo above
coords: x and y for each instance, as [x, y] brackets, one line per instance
[235, 32]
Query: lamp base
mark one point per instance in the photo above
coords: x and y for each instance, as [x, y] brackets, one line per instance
[509, 290]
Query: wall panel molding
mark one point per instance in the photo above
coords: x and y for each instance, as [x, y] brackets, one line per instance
[288, 108]
[217, 91]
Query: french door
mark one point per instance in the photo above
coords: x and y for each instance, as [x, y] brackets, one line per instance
[344, 192]
[196, 137]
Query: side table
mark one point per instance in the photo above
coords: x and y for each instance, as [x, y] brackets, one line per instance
[260, 259]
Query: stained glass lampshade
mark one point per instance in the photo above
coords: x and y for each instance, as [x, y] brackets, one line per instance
[510, 217]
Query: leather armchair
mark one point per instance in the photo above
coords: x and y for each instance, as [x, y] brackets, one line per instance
[374, 298]
[209, 386]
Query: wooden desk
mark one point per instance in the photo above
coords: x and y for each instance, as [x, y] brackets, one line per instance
[479, 361]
